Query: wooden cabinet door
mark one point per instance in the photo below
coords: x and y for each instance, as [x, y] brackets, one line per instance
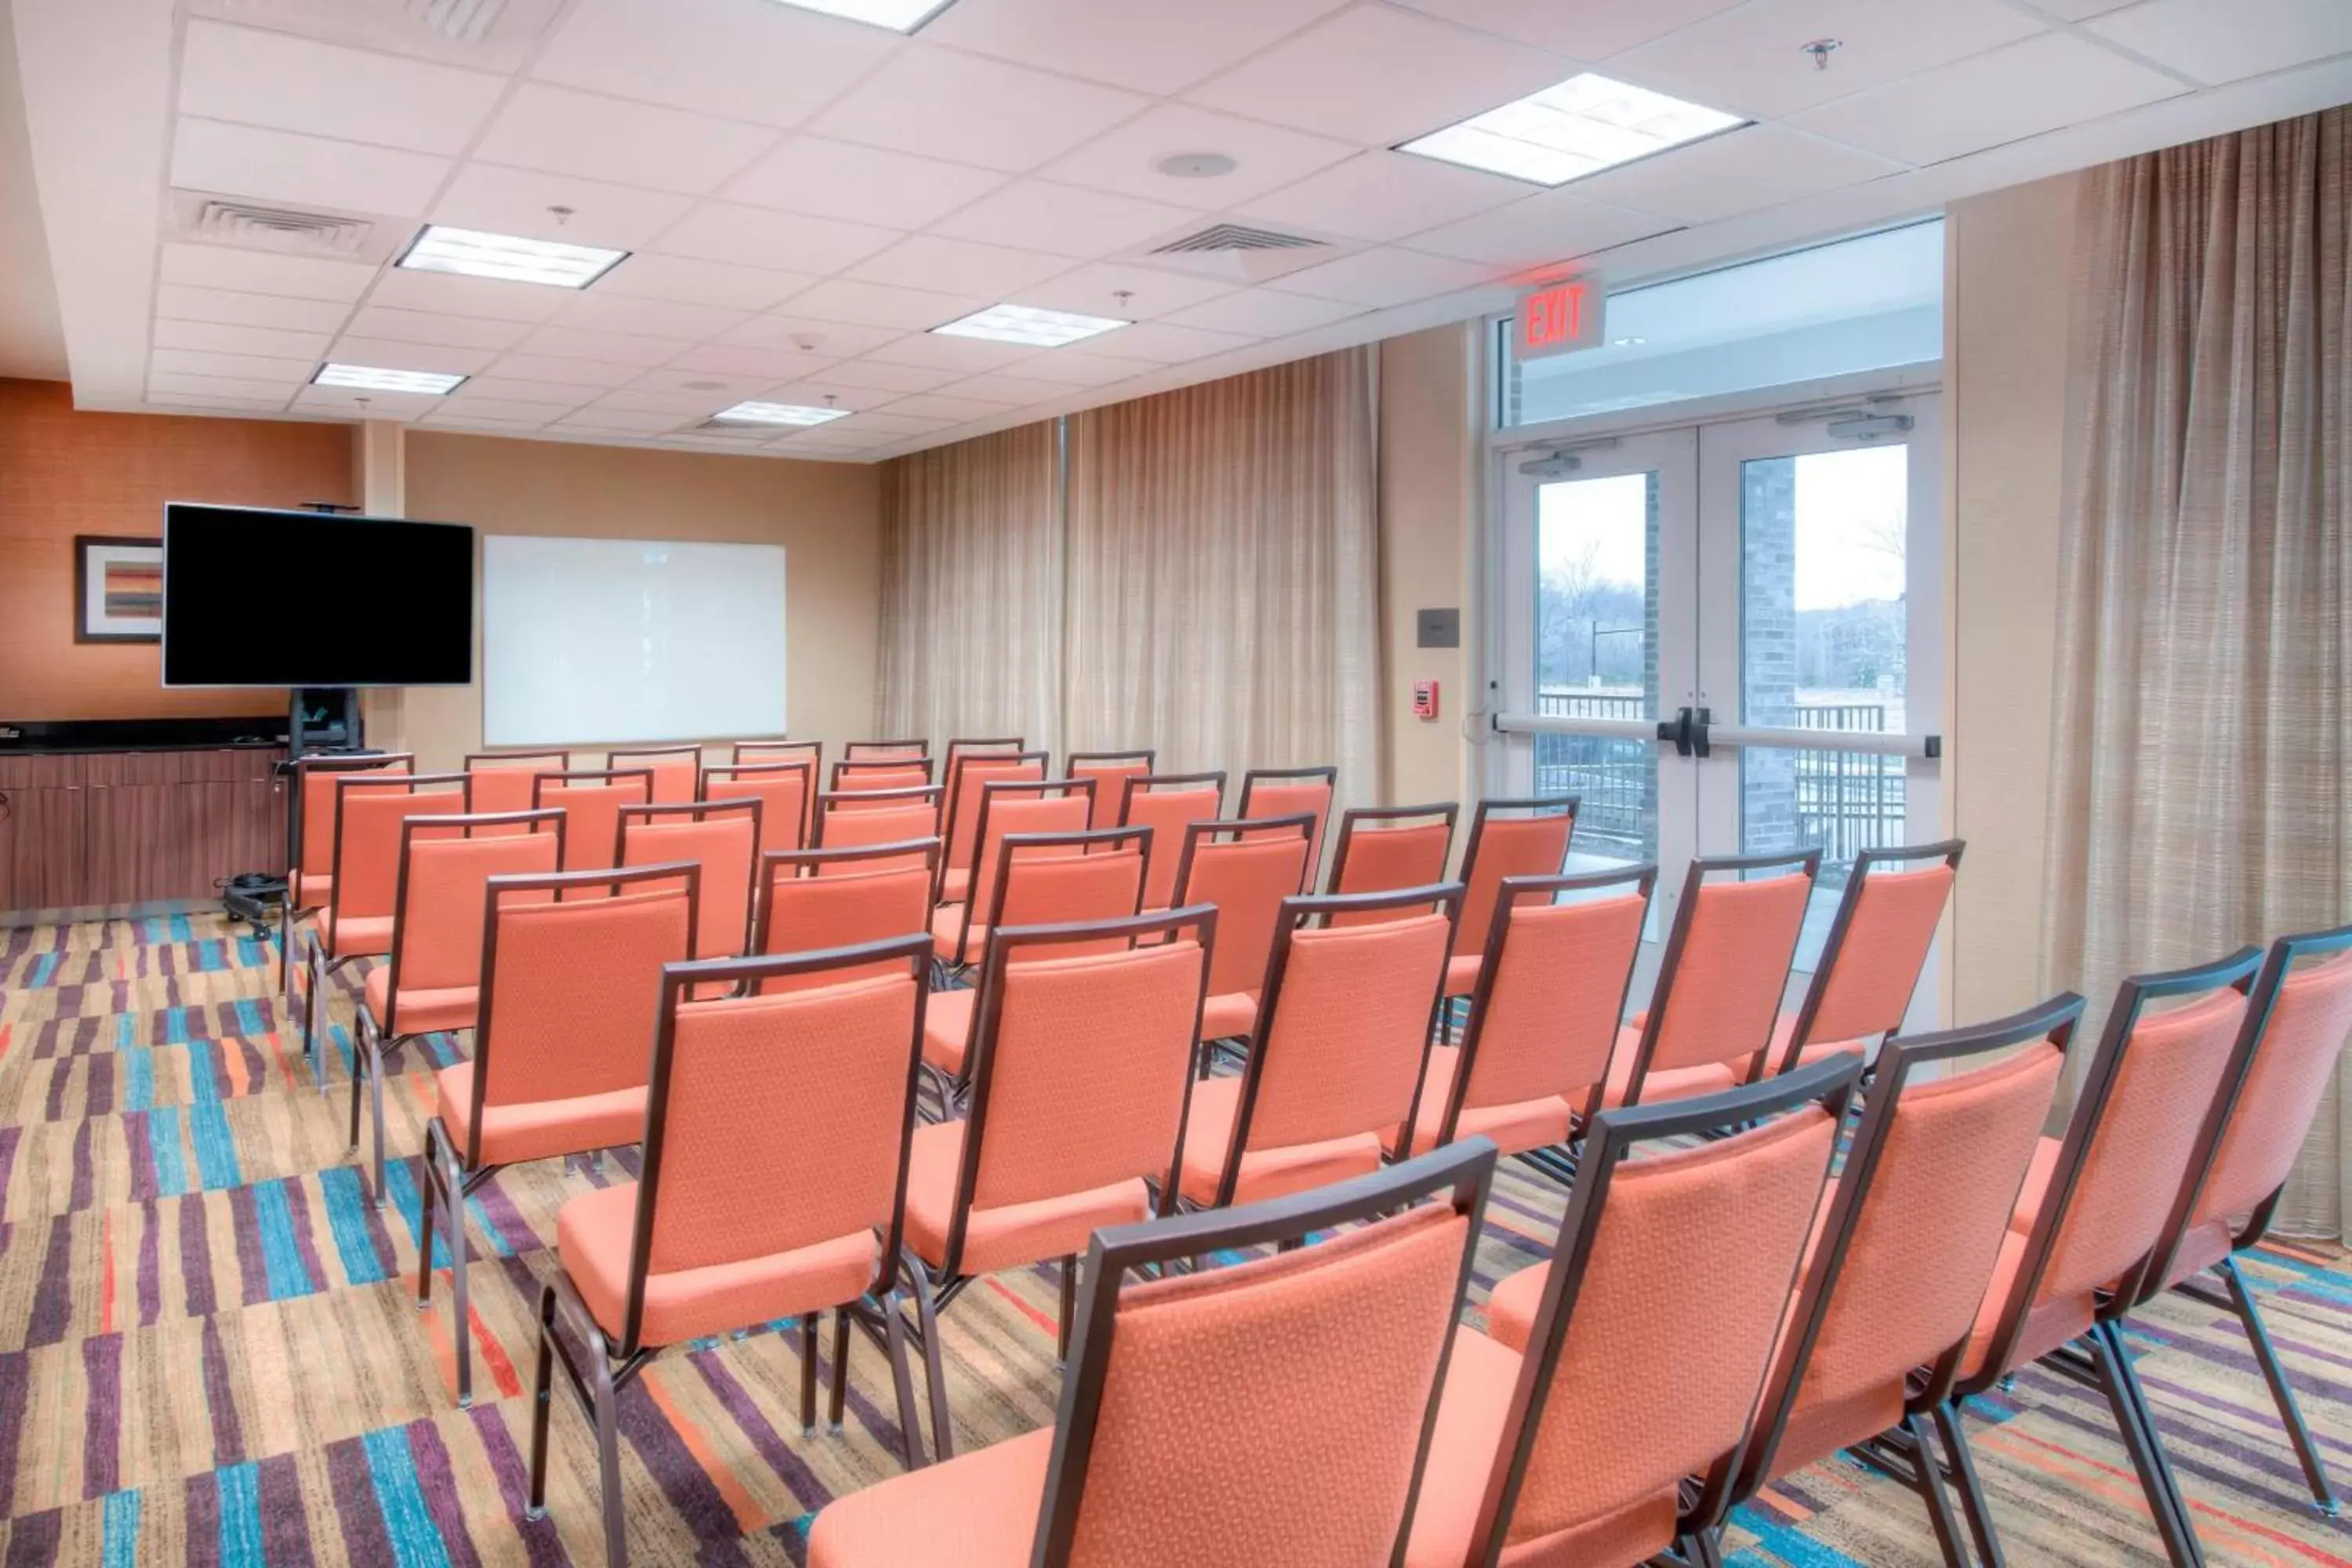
[43, 847]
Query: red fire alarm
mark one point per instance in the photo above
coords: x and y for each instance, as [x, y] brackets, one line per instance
[1424, 699]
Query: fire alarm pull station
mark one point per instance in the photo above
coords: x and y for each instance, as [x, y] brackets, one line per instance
[1424, 699]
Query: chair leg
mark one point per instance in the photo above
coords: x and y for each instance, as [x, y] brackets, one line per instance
[1931, 1491]
[359, 1071]
[1950, 1427]
[808, 1374]
[2258, 1335]
[926, 1324]
[460, 1325]
[313, 984]
[841, 1348]
[1069, 1311]
[2125, 1399]
[902, 1378]
[432, 1184]
[542, 1393]
[606, 1399]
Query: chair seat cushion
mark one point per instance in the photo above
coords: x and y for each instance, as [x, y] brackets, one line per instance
[955, 885]
[1264, 1173]
[1230, 1015]
[422, 1011]
[1511, 1307]
[1009, 1235]
[946, 1029]
[2037, 1184]
[308, 889]
[2047, 1326]
[947, 928]
[593, 1237]
[1662, 1084]
[368, 937]
[1462, 973]
[977, 1511]
[537, 1129]
[1515, 1128]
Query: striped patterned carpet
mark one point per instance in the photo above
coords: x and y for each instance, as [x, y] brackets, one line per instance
[208, 1352]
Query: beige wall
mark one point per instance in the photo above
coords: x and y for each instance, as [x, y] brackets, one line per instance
[2010, 257]
[1430, 410]
[825, 515]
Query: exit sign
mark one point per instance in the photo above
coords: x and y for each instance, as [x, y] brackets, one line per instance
[1558, 317]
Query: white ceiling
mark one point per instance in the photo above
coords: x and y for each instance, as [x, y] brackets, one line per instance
[804, 197]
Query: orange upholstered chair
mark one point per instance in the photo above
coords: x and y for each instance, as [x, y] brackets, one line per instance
[434, 981]
[886, 751]
[1168, 803]
[310, 842]
[786, 793]
[1246, 870]
[2297, 1018]
[1337, 1058]
[752, 753]
[1543, 1017]
[1110, 771]
[1081, 1068]
[969, 775]
[868, 776]
[962, 746]
[1508, 838]
[1646, 1352]
[1273, 1413]
[1000, 804]
[355, 921]
[676, 770]
[502, 780]
[1383, 848]
[2096, 1205]
[813, 900]
[722, 836]
[570, 989]
[1072, 877]
[1874, 955]
[773, 1185]
[1901, 1254]
[590, 800]
[1719, 982]
[849, 819]
[1287, 791]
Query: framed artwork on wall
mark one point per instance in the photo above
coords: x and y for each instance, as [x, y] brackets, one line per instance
[118, 588]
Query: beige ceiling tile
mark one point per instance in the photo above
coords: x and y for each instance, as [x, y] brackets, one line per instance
[292, 83]
[568, 133]
[689, 281]
[805, 335]
[226, 388]
[1095, 290]
[1575, 30]
[610, 348]
[1152, 47]
[1012, 389]
[943, 405]
[674, 380]
[560, 370]
[765, 365]
[1166, 344]
[770, 64]
[427, 327]
[1063, 220]
[261, 272]
[788, 242]
[1261, 312]
[383, 353]
[966, 354]
[1077, 367]
[507, 389]
[247, 367]
[274, 341]
[1756, 166]
[1380, 279]
[181, 302]
[936, 102]
[630, 420]
[2224, 40]
[301, 170]
[826, 178]
[823, 392]
[872, 305]
[498, 409]
[597, 310]
[1383, 196]
[930, 261]
[883, 378]
[526, 202]
[449, 294]
[353, 404]
[1125, 160]
[1554, 227]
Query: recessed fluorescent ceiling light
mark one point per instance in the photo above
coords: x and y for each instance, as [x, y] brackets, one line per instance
[898, 16]
[508, 257]
[1575, 128]
[368, 378]
[778, 414]
[1028, 324]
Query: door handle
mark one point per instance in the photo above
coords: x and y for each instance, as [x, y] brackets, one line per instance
[1676, 730]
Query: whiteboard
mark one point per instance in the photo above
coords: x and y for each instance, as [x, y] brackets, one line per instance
[588, 641]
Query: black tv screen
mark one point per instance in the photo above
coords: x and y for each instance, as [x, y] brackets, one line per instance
[258, 597]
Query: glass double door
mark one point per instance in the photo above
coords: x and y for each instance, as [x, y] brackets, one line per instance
[1726, 639]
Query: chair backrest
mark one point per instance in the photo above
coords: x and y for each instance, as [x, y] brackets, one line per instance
[721, 837]
[962, 746]
[436, 931]
[1343, 1025]
[1544, 1014]
[786, 793]
[812, 901]
[369, 811]
[1877, 948]
[1008, 807]
[886, 751]
[1509, 838]
[1079, 878]
[502, 779]
[850, 820]
[777, 1121]
[2297, 1017]
[1382, 848]
[1246, 870]
[1683, 1260]
[1287, 791]
[676, 770]
[751, 753]
[877, 774]
[571, 989]
[1168, 803]
[1903, 1255]
[968, 778]
[1726, 962]
[591, 799]
[1276, 1411]
[1081, 1068]
[1110, 771]
[310, 825]
[2150, 1086]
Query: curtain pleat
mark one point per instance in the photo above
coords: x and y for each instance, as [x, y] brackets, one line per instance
[2203, 738]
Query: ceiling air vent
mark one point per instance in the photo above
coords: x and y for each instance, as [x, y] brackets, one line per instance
[1238, 253]
[1233, 237]
[467, 21]
[281, 229]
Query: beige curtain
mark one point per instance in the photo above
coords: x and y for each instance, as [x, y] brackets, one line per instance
[1223, 574]
[972, 590]
[2203, 726]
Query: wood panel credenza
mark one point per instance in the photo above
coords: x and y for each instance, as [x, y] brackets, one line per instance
[81, 830]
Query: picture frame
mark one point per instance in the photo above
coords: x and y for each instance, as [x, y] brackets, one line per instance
[118, 588]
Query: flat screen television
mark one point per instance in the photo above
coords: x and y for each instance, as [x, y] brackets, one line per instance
[254, 596]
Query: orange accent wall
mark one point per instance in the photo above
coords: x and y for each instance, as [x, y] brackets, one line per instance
[63, 472]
